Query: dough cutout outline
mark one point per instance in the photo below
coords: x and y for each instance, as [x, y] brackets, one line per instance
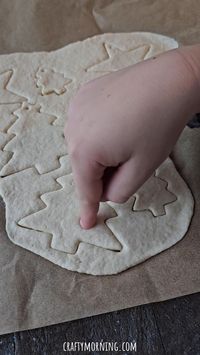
[140, 193]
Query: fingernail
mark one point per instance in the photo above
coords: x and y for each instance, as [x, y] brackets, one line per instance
[82, 224]
[87, 224]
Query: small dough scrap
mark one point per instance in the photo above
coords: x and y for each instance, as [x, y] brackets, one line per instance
[51, 82]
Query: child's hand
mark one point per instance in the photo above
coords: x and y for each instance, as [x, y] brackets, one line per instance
[128, 121]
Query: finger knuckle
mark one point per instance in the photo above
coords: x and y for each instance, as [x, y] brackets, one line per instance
[80, 150]
[75, 152]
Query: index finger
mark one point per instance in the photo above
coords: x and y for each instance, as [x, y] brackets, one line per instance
[89, 185]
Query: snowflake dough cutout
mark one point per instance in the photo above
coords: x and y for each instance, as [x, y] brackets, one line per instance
[153, 196]
[37, 142]
[6, 96]
[50, 81]
[118, 58]
[60, 217]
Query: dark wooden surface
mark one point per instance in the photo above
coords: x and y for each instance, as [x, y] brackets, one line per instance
[170, 327]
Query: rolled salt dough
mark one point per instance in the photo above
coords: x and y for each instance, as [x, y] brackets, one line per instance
[36, 179]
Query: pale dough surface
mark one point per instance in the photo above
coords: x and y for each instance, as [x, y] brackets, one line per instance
[36, 181]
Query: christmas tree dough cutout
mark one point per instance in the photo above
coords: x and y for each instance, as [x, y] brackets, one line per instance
[37, 142]
[50, 81]
[60, 218]
[21, 191]
[153, 195]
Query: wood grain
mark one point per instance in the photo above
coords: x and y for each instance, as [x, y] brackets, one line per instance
[170, 327]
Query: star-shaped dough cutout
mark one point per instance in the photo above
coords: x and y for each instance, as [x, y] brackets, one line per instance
[60, 218]
[7, 96]
[153, 196]
[50, 81]
[118, 58]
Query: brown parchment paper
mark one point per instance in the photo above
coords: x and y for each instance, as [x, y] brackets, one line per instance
[35, 292]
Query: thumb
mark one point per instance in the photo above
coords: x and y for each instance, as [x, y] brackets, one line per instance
[125, 181]
[88, 181]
